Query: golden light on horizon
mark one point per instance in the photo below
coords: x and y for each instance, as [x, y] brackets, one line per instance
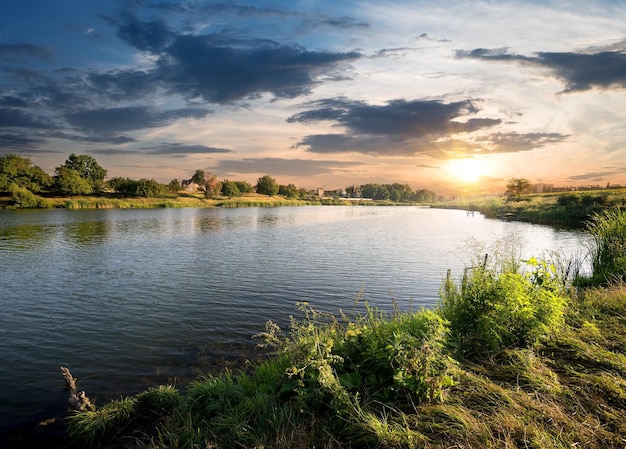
[467, 170]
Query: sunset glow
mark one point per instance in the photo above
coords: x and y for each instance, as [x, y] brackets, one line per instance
[466, 170]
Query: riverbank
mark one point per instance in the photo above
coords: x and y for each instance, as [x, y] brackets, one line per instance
[570, 209]
[376, 381]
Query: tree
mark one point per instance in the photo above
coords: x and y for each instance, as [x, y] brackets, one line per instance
[174, 186]
[230, 189]
[20, 171]
[198, 177]
[244, 186]
[209, 183]
[69, 182]
[266, 185]
[289, 191]
[88, 169]
[517, 187]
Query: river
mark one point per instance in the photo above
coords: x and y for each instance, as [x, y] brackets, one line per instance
[132, 298]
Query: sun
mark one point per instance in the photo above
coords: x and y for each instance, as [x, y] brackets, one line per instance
[468, 170]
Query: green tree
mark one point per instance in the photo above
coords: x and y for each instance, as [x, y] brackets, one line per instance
[517, 187]
[69, 182]
[174, 186]
[289, 191]
[198, 177]
[266, 185]
[20, 171]
[244, 186]
[87, 168]
[230, 189]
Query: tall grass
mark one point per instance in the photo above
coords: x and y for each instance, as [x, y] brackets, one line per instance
[608, 229]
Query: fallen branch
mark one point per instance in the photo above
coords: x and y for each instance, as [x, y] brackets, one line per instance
[78, 400]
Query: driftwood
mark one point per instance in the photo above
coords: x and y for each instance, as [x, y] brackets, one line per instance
[78, 400]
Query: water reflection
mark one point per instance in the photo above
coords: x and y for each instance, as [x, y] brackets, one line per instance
[87, 232]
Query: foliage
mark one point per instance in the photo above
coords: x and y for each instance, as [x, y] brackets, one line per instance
[20, 171]
[608, 229]
[146, 188]
[69, 182]
[87, 168]
[244, 187]
[266, 185]
[289, 191]
[173, 186]
[24, 198]
[501, 305]
[230, 189]
[517, 187]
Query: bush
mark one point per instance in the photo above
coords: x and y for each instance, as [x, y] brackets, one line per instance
[493, 310]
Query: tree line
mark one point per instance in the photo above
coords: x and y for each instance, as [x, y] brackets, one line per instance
[83, 175]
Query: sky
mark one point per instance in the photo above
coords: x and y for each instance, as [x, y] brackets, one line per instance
[456, 96]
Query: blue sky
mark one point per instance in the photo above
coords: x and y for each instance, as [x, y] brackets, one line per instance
[455, 96]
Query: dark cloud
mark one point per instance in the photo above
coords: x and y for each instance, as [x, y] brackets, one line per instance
[116, 140]
[117, 120]
[399, 127]
[182, 149]
[598, 176]
[19, 142]
[111, 152]
[17, 118]
[151, 36]
[397, 120]
[579, 71]
[287, 167]
[222, 70]
[516, 142]
[11, 52]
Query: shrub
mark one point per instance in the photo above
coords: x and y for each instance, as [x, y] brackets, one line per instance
[493, 310]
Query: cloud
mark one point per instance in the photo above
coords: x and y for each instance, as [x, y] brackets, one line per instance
[399, 127]
[516, 142]
[579, 71]
[221, 69]
[116, 120]
[116, 140]
[182, 149]
[16, 118]
[597, 176]
[285, 167]
[397, 119]
[19, 142]
[151, 36]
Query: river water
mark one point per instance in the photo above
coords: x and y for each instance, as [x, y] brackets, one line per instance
[132, 298]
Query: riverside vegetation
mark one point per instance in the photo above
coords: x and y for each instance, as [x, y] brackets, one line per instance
[517, 354]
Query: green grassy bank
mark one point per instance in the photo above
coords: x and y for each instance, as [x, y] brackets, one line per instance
[516, 355]
[110, 201]
[571, 209]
